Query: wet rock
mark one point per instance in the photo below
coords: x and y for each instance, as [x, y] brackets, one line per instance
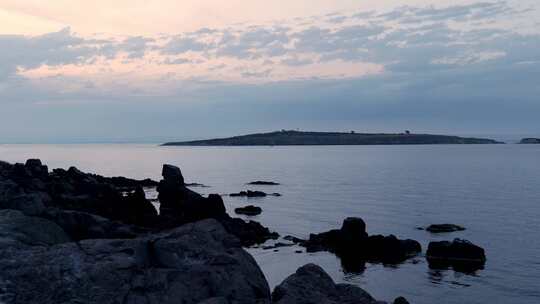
[461, 255]
[248, 193]
[250, 233]
[353, 245]
[248, 210]
[263, 183]
[195, 263]
[310, 284]
[442, 228]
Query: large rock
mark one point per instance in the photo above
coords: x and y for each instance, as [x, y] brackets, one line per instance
[461, 255]
[195, 263]
[353, 245]
[18, 231]
[178, 204]
[81, 225]
[311, 285]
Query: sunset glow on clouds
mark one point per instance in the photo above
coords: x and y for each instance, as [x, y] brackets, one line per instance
[79, 51]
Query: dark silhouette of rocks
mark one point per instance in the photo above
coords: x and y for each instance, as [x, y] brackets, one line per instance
[193, 263]
[461, 255]
[248, 210]
[179, 205]
[444, 228]
[287, 138]
[263, 183]
[353, 245]
[71, 237]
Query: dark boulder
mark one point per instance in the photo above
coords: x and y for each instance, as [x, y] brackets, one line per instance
[461, 255]
[311, 284]
[195, 263]
[443, 228]
[178, 204]
[248, 210]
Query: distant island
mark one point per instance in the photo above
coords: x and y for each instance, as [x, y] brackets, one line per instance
[530, 141]
[297, 138]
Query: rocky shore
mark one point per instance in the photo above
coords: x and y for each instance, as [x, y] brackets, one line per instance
[72, 237]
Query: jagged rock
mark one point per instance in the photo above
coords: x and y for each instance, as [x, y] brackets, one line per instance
[461, 255]
[248, 210]
[310, 285]
[31, 188]
[19, 230]
[353, 245]
[172, 174]
[442, 228]
[195, 263]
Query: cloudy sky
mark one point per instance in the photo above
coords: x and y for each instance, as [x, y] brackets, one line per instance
[143, 70]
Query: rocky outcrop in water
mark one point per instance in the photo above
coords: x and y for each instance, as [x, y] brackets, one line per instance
[461, 255]
[263, 183]
[248, 210]
[73, 237]
[181, 205]
[444, 228]
[353, 245]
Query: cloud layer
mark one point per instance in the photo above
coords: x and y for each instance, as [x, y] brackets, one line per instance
[407, 63]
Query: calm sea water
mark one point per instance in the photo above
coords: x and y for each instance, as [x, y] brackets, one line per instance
[492, 190]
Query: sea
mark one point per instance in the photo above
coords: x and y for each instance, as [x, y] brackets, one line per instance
[492, 190]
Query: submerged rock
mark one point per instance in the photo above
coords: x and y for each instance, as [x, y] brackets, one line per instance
[461, 255]
[248, 210]
[263, 183]
[195, 263]
[442, 228]
[311, 284]
[248, 193]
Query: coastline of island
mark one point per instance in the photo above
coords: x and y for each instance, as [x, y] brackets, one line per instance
[305, 138]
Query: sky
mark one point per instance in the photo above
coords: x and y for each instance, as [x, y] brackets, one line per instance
[151, 71]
